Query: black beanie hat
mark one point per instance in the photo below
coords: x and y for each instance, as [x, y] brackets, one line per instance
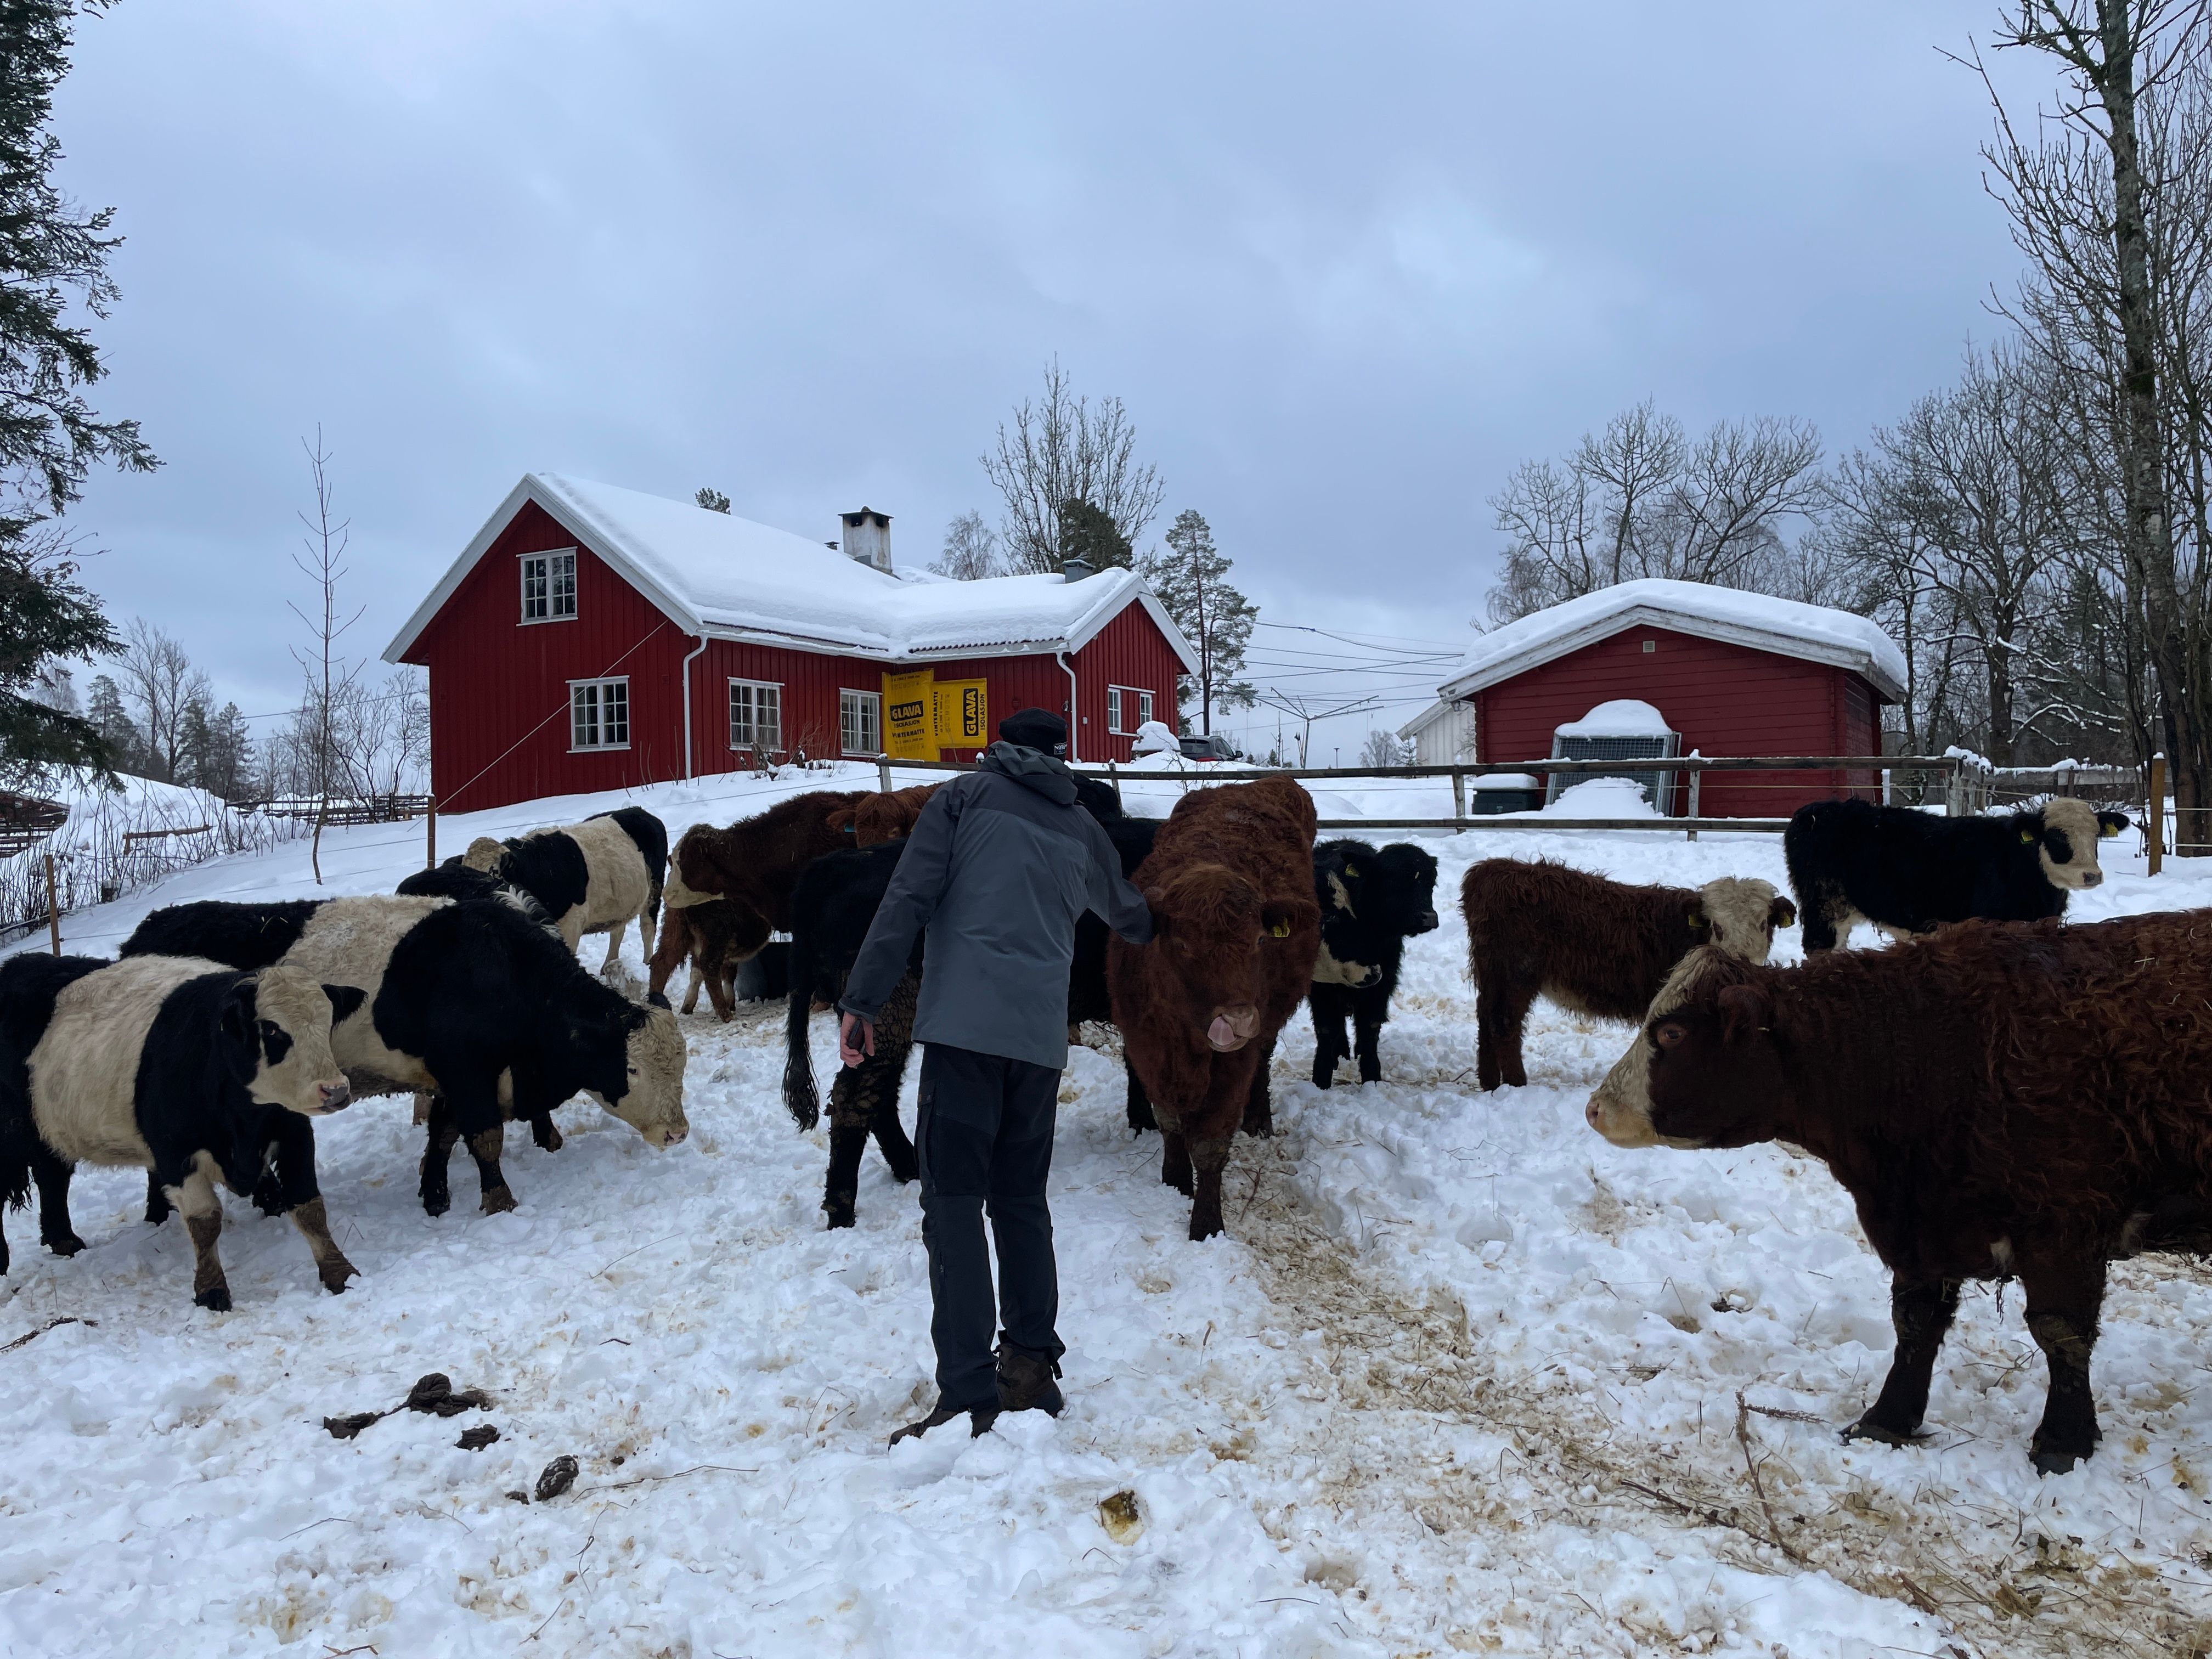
[1035, 728]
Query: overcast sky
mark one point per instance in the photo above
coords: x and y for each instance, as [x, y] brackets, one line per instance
[1346, 266]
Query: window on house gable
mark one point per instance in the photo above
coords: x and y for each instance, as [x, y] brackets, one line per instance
[756, 714]
[599, 713]
[549, 586]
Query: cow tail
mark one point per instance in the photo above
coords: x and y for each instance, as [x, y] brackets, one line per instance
[798, 1092]
[18, 1141]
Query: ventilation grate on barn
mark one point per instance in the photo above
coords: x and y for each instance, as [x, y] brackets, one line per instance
[1658, 786]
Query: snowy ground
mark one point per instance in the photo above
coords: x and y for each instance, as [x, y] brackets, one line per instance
[1462, 1377]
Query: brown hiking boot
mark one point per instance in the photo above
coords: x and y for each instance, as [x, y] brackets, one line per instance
[1026, 1383]
[979, 1418]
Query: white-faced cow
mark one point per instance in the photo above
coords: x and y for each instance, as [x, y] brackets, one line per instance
[190, 1070]
[471, 1002]
[1911, 872]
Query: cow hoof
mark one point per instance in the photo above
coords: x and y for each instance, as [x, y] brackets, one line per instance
[841, 1207]
[1321, 1080]
[67, 1244]
[498, 1200]
[215, 1300]
[1867, 1429]
[334, 1275]
[437, 1203]
[551, 1140]
[1203, 1231]
[2054, 1462]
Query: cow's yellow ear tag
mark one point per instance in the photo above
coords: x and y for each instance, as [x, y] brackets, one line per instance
[1281, 930]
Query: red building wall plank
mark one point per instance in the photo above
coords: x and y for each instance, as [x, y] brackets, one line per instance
[1724, 699]
[499, 687]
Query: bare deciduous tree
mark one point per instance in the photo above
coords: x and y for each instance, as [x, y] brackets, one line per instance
[2091, 208]
[160, 685]
[1640, 500]
[971, 551]
[329, 678]
[1066, 448]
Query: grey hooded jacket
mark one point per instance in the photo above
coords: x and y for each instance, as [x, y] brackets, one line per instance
[997, 868]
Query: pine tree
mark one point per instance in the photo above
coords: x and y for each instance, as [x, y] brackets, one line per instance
[1191, 581]
[712, 499]
[54, 268]
[113, 728]
[1088, 532]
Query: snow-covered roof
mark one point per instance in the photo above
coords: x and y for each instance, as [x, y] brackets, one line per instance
[719, 575]
[1814, 633]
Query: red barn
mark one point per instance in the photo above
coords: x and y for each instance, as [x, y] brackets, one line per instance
[1736, 674]
[591, 638]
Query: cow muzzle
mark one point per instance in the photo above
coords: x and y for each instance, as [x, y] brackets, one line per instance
[1233, 1027]
[334, 1096]
[1425, 922]
[2092, 877]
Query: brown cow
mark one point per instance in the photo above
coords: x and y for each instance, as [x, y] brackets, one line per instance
[2001, 1100]
[1230, 882]
[753, 866]
[1593, 946]
[875, 819]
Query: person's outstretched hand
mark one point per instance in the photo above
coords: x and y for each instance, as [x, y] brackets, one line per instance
[856, 1039]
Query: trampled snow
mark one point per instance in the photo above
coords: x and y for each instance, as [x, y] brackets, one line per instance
[1815, 632]
[1461, 1377]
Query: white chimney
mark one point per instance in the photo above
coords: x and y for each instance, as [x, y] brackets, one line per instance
[868, 537]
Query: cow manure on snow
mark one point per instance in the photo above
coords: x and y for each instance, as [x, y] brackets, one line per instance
[434, 1394]
[556, 1478]
[477, 1438]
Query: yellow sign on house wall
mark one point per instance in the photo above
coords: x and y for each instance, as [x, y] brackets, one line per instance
[960, 714]
[909, 716]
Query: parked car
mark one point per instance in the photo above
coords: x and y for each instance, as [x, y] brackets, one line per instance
[1214, 747]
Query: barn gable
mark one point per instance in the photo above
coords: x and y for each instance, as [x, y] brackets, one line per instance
[1785, 628]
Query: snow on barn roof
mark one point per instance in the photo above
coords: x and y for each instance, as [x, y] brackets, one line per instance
[1813, 633]
[726, 577]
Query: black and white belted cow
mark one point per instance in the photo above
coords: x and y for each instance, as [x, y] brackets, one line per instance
[472, 1003]
[192, 1070]
[591, 877]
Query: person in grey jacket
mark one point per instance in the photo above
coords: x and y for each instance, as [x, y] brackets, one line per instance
[997, 869]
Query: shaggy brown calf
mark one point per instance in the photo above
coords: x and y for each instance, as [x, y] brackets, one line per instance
[1593, 946]
[1230, 883]
[2001, 1100]
[875, 819]
[753, 865]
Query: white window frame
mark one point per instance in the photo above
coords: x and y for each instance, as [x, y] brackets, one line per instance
[598, 687]
[1117, 708]
[873, 701]
[557, 561]
[774, 742]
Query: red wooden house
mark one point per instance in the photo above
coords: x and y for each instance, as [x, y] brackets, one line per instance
[591, 638]
[1735, 674]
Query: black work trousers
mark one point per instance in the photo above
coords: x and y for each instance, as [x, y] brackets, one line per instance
[984, 1134]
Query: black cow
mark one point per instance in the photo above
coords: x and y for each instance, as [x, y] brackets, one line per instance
[591, 877]
[197, 1074]
[1373, 900]
[1909, 871]
[473, 1004]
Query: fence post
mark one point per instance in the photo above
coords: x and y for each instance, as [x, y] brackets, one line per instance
[1459, 797]
[2154, 848]
[1697, 777]
[1112, 771]
[54, 907]
[430, 838]
[884, 773]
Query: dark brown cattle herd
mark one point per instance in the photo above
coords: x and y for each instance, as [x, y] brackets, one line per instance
[2003, 1096]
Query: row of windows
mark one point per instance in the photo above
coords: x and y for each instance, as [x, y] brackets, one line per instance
[598, 715]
